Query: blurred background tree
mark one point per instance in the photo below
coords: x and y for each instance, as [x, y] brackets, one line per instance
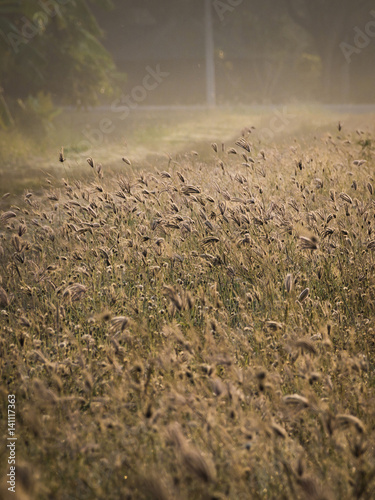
[52, 51]
[330, 23]
[259, 51]
[75, 52]
[266, 51]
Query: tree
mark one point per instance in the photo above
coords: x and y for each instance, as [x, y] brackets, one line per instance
[210, 56]
[53, 46]
[257, 51]
[330, 24]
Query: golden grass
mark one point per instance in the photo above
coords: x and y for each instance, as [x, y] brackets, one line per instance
[201, 332]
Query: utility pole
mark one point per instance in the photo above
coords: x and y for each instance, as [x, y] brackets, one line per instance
[210, 56]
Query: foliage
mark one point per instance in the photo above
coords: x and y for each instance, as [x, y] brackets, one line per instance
[38, 112]
[329, 23]
[56, 50]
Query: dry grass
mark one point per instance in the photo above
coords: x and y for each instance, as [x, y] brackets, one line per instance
[202, 332]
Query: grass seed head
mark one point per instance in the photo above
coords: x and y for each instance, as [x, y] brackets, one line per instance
[309, 243]
[347, 420]
[74, 292]
[303, 295]
[296, 399]
[197, 464]
[5, 216]
[289, 283]
[4, 299]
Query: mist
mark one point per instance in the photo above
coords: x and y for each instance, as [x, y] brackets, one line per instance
[121, 77]
[252, 52]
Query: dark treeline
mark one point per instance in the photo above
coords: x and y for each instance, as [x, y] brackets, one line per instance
[265, 50]
[83, 53]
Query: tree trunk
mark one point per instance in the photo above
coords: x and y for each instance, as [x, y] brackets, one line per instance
[335, 74]
[210, 56]
[329, 24]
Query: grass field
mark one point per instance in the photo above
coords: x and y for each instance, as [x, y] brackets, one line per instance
[29, 155]
[198, 326]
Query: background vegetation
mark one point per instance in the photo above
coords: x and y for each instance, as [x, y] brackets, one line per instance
[50, 53]
[78, 53]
